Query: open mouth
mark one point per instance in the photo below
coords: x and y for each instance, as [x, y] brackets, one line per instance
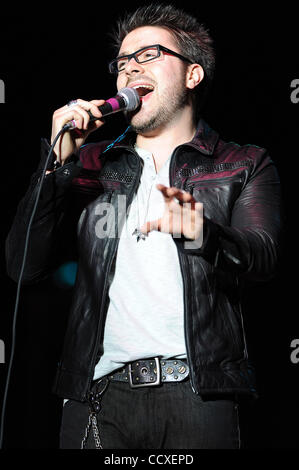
[143, 90]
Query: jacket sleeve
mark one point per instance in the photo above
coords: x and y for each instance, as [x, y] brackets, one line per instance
[48, 236]
[250, 245]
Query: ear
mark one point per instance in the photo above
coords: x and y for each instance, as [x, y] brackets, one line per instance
[194, 76]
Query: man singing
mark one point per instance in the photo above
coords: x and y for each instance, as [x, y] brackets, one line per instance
[155, 354]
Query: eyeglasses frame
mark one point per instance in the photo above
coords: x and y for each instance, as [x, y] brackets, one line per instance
[130, 56]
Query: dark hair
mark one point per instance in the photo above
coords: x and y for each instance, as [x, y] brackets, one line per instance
[192, 38]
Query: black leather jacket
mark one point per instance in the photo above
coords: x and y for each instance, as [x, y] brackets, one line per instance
[239, 189]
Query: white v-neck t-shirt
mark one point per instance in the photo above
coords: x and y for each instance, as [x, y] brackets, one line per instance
[145, 317]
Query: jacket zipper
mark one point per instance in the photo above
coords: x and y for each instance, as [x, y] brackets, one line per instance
[213, 182]
[103, 300]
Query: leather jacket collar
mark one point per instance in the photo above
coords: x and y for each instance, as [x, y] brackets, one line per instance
[204, 140]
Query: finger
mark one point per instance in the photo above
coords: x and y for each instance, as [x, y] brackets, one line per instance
[183, 196]
[92, 106]
[150, 226]
[84, 115]
[82, 111]
[179, 194]
[69, 116]
[187, 206]
[97, 102]
[166, 191]
[70, 113]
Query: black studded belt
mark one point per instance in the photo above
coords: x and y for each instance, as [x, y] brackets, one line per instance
[152, 371]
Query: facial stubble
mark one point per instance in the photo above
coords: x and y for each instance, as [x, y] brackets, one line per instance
[170, 104]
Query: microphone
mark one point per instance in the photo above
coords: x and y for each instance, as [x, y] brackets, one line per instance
[126, 99]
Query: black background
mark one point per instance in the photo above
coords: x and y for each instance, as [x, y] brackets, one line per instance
[48, 58]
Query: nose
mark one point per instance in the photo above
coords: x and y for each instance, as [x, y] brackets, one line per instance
[133, 66]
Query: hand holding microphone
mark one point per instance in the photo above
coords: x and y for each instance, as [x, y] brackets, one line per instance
[84, 117]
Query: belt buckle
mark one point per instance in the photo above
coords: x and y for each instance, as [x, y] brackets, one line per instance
[147, 384]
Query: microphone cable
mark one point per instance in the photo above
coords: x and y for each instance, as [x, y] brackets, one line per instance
[42, 178]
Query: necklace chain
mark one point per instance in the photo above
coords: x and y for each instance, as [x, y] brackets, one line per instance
[137, 232]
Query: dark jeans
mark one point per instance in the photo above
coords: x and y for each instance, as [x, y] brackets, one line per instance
[169, 416]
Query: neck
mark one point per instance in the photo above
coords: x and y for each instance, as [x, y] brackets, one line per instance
[161, 142]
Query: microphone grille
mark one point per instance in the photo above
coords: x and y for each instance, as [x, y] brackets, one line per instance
[131, 98]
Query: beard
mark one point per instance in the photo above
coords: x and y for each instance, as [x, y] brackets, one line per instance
[169, 105]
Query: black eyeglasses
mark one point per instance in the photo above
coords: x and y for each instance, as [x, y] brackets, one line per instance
[145, 54]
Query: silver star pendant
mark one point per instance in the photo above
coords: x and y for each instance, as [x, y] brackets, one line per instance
[139, 235]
